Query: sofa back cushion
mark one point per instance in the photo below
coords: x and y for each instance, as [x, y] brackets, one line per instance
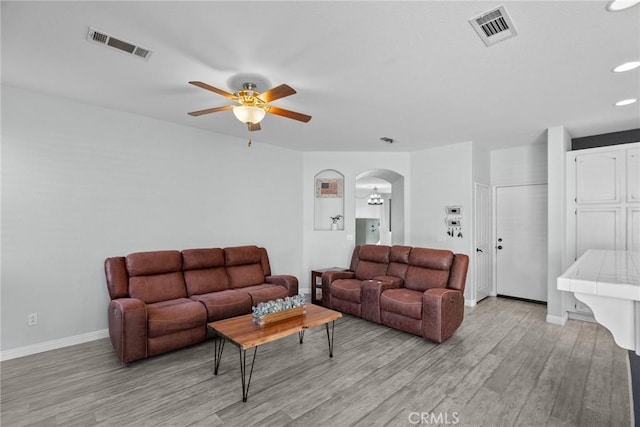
[204, 271]
[155, 276]
[244, 266]
[372, 261]
[117, 279]
[428, 268]
[398, 261]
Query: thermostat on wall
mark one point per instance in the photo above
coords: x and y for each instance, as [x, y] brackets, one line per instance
[454, 223]
[454, 210]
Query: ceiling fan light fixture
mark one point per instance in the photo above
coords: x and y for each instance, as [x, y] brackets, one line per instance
[626, 102]
[249, 114]
[627, 66]
[618, 5]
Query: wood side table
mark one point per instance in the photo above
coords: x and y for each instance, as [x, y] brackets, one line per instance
[316, 281]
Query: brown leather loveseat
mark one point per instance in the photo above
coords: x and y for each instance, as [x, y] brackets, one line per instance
[416, 290]
[162, 300]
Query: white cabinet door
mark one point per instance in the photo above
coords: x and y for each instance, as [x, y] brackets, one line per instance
[598, 177]
[633, 229]
[633, 175]
[599, 228]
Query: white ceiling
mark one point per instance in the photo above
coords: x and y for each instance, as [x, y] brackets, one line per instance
[413, 71]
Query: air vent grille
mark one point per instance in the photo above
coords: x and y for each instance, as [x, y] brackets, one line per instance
[494, 26]
[99, 37]
[105, 39]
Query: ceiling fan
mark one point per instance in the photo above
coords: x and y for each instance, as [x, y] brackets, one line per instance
[252, 105]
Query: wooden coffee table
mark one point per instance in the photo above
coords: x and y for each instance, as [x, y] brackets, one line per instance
[245, 334]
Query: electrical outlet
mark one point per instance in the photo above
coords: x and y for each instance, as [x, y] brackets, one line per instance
[32, 319]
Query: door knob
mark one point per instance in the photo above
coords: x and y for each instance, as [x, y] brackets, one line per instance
[499, 247]
[478, 250]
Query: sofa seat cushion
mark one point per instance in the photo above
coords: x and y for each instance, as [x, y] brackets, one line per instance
[264, 292]
[347, 289]
[224, 304]
[405, 302]
[176, 315]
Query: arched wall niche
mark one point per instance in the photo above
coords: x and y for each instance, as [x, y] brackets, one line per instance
[328, 200]
[389, 215]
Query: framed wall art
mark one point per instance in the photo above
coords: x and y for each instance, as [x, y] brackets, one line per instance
[329, 188]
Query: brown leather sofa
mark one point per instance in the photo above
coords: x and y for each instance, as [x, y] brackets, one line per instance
[162, 300]
[416, 290]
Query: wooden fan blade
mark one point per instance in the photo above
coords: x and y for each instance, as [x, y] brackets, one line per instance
[277, 93]
[213, 89]
[253, 127]
[289, 114]
[210, 110]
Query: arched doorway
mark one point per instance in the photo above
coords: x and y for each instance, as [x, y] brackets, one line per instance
[380, 224]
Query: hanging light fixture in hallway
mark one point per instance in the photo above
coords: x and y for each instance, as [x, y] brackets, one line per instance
[375, 198]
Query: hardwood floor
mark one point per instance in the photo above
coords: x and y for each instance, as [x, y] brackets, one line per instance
[504, 366]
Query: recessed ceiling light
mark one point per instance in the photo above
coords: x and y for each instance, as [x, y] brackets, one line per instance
[627, 66]
[617, 5]
[626, 102]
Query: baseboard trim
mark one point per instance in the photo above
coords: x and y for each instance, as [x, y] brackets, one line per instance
[470, 302]
[558, 320]
[28, 350]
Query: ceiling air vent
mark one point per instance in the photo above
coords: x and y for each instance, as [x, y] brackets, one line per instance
[494, 26]
[105, 39]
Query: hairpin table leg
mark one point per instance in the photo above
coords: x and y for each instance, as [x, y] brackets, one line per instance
[330, 338]
[218, 346]
[243, 371]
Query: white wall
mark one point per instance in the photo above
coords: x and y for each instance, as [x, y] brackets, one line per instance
[442, 177]
[558, 143]
[82, 183]
[526, 164]
[334, 248]
[481, 165]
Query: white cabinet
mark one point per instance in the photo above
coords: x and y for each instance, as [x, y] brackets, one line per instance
[599, 228]
[633, 229]
[633, 175]
[603, 203]
[598, 177]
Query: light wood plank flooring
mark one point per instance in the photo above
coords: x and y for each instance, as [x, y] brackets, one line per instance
[504, 366]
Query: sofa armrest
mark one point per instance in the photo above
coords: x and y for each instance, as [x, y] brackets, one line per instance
[370, 296]
[128, 328]
[328, 277]
[442, 313]
[289, 282]
[392, 279]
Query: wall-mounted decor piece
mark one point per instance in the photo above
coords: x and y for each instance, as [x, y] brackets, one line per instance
[329, 200]
[453, 221]
[329, 188]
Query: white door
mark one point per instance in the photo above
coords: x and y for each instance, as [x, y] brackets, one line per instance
[521, 246]
[482, 217]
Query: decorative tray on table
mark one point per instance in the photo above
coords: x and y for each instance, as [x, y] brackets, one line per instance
[280, 309]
